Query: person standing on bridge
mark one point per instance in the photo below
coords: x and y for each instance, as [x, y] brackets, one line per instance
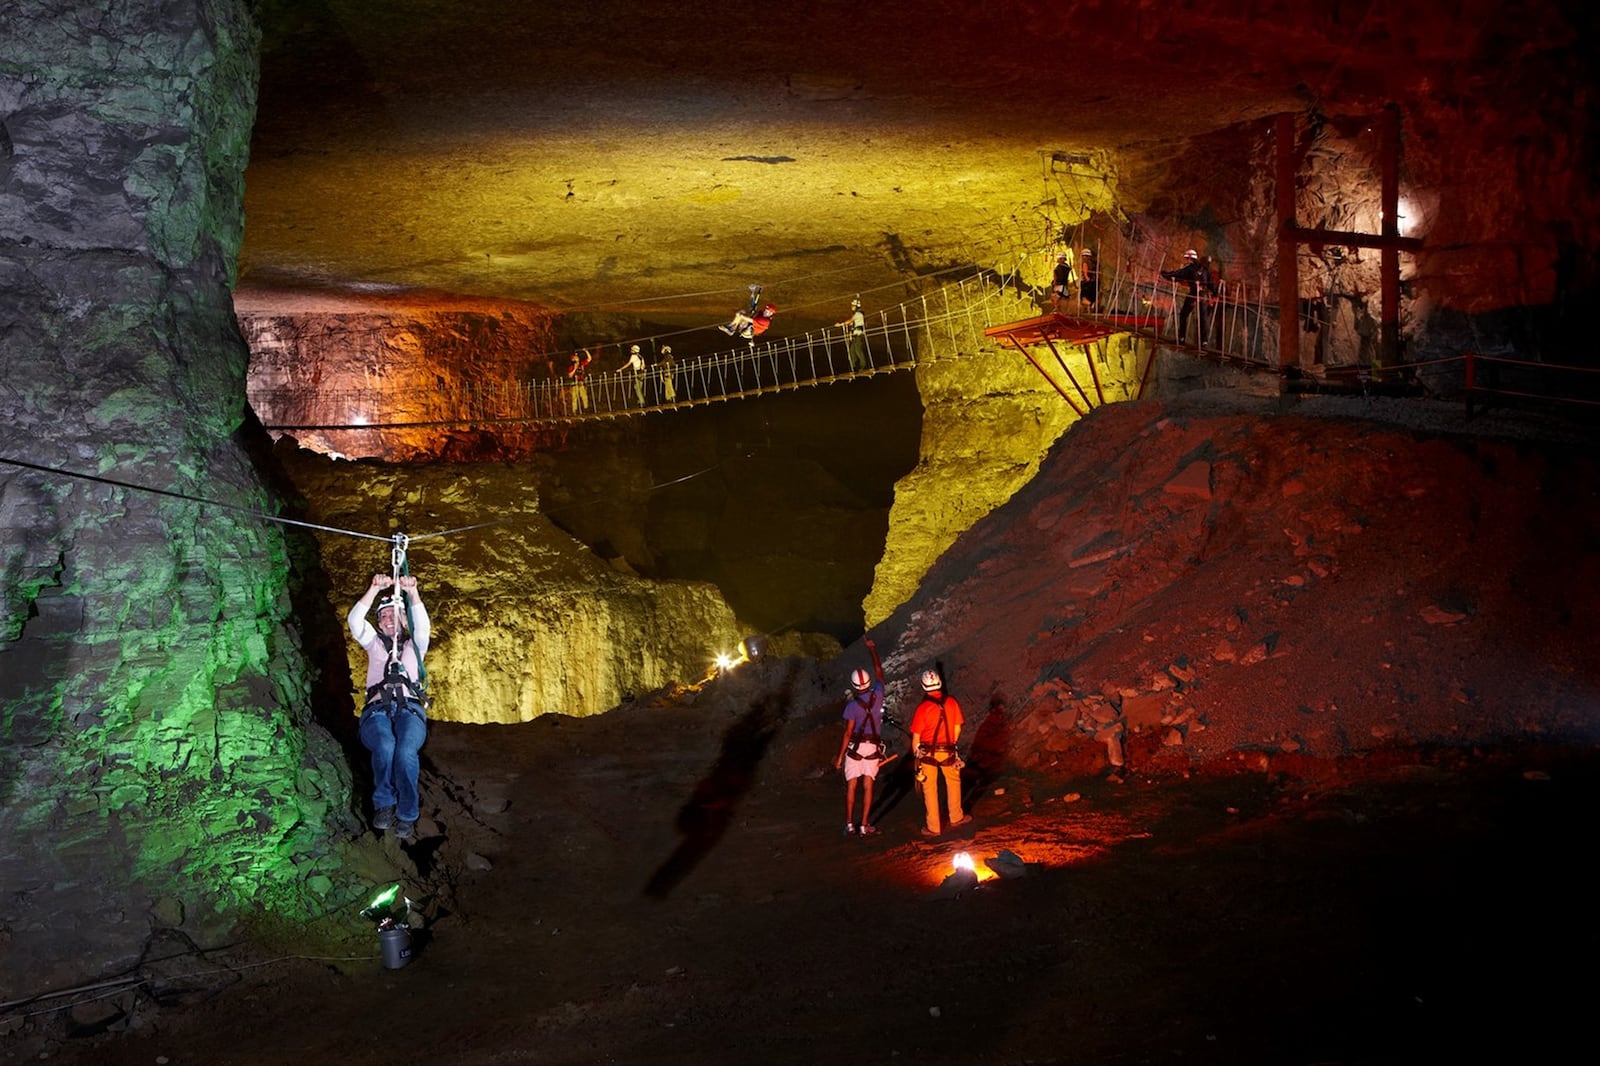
[1088, 279]
[1059, 281]
[668, 368]
[635, 365]
[577, 370]
[855, 329]
[1192, 275]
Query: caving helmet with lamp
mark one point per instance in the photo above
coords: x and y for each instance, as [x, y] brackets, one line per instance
[931, 681]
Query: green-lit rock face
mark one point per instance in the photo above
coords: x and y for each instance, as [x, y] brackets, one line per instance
[158, 764]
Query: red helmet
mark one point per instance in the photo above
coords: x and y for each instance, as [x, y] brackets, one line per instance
[769, 310]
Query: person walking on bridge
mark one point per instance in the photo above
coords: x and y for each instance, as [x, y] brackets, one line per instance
[1059, 282]
[668, 369]
[635, 364]
[855, 329]
[1088, 279]
[1192, 275]
[577, 370]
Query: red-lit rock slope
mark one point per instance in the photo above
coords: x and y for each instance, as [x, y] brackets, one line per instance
[1186, 583]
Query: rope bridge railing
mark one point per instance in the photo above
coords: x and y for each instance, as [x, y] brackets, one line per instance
[959, 311]
[1232, 325]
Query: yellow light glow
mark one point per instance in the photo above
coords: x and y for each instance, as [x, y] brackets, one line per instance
[963, 861]
[1405, 216]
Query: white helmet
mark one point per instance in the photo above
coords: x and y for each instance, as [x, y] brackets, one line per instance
[931, 681]
[860, 680]
[666, 349]
[1191, 254]
[634, 350]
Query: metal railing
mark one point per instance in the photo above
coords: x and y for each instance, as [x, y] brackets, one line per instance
[958, 311]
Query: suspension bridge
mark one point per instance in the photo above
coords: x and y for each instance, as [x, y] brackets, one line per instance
[976, 314]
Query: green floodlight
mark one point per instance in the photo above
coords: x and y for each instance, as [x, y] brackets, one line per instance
[382, 909]
[387, 912]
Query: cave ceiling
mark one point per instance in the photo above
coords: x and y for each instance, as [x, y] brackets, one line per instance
[653, 159]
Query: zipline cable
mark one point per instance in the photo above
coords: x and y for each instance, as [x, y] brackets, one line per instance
[253, 512]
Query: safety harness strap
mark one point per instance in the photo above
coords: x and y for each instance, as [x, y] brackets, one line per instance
[939, 754]
[869, 730]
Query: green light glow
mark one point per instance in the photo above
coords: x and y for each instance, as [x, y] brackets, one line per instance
[384, 898]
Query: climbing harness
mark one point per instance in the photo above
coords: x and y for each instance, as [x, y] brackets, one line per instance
[875, 737]
[396, 691]
[939, 754]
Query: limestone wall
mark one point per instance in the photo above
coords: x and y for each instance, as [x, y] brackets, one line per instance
[157, 763]
[371, 361]
[988, 418]
[527, 621]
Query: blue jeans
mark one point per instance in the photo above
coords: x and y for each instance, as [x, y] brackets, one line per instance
[394, 740]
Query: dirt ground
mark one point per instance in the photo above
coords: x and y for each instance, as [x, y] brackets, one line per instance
[1395, 875]
[669, 884]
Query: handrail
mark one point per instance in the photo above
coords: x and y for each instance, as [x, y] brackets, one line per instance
[1238, 325]
[1475, 390]
[818, 357]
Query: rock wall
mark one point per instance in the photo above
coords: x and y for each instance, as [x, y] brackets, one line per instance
[526, 620]
[1495, 179]
[988, 418]
[1225, 579]
[354, 361]
[158, 768]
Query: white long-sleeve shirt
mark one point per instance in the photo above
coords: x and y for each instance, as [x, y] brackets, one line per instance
[411, 652]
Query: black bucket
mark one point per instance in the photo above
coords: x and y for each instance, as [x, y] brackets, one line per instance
[395, 944]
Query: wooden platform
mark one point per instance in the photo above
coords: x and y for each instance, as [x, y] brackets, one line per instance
[1071, 329]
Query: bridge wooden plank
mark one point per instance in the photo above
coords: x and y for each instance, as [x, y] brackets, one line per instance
[1070, 328]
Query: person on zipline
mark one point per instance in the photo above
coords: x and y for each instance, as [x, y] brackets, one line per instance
[394, 721]
[749, 327]
[753, 321]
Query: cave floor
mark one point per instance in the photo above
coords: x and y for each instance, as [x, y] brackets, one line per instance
[670, 884]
